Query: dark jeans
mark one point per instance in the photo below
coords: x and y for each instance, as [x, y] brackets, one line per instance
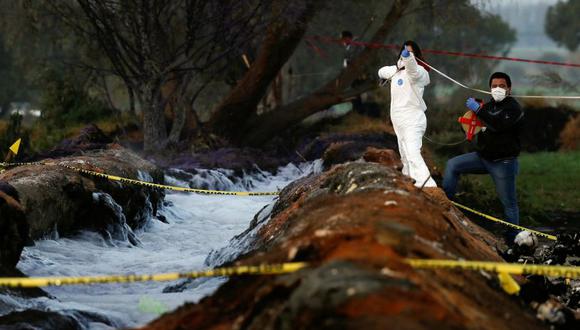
[503, 173]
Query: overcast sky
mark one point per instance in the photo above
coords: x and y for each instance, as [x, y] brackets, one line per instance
[527, 18]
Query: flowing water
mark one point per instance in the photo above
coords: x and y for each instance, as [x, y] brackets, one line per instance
[196, 225]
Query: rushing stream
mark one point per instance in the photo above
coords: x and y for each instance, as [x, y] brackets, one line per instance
[197, 224]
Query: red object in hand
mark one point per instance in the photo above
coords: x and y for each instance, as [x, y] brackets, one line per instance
[471, 125]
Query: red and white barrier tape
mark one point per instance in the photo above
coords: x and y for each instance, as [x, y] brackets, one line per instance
[377, 45]
[487, 92]
[566, 97]
[444, 52]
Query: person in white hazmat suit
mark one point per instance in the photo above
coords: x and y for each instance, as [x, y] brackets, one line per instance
[408, 80]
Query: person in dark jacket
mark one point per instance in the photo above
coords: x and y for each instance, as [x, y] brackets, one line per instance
[350, 50]
[496, 148]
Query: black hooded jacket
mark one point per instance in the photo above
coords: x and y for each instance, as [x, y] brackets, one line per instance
[501, 138]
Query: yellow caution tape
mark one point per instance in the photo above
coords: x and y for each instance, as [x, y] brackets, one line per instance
[34, 282]
[148, 184]
[244, 193]
[498, 267]
[509, 224]
[20, 164]
[502, 269]
[174, 188]
[508, 284]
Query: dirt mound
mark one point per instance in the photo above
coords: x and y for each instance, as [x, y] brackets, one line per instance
[355, 224]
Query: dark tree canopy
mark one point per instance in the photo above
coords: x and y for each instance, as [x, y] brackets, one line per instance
[155, 44]
[165, 54]
[563, 23]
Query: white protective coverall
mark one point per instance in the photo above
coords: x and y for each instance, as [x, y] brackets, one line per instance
[408, 115]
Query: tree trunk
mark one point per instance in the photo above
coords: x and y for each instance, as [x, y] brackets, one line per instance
[179, 119]
[192, 122]
[262, 128]
[154, 130]
[132, 109]
[154, 133]
[108, 94]
[281, 40]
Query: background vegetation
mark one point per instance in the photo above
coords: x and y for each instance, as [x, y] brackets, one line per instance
[80, 65]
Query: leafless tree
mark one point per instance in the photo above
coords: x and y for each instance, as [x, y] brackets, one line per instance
[158, 47]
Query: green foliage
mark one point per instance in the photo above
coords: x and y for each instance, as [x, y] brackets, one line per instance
[11, 131]
[551, 179]
[547, 183]
[562, 23]
[37, 39]
[12, 84]
[314, 69]
[32, 42]
[66, 108]
[456, 26]
[65, 102]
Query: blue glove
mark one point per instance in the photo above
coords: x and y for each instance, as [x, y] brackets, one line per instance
[473, 105]
[405, 53]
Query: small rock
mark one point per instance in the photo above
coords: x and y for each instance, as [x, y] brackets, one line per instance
[351, 188]
[551, 312]
[386, 157]
[322, 232]
[13, 231]
[526, 243]
[292, 253]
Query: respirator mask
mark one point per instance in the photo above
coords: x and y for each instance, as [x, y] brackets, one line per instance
[498, 94]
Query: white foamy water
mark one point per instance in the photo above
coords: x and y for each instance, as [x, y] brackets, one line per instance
[197, 225]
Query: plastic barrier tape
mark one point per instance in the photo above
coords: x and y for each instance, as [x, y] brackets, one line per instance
[174, 188]
[498, 267]
[147, 184]
[565, 97]
[391, 46]
[508, 284]
[505, 223]
[439, 52]
[244, 193]
[20, 164]
[33, 282]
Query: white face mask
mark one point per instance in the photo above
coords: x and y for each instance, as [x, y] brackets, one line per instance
[498, 94]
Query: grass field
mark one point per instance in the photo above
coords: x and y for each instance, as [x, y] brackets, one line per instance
[551, 179]
[548, 183]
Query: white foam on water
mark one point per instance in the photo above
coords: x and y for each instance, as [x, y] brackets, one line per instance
[197, 224]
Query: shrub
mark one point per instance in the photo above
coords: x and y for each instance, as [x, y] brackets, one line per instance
[10, 131]
[63, 101]
[570, 135]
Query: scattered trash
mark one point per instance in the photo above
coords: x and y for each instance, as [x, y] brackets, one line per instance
[552, 312]
[526, 242]
[556, 300]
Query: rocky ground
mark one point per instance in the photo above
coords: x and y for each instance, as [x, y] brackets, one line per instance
[333, 148]
[354, 224]
[57, 198]
[50, 200]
